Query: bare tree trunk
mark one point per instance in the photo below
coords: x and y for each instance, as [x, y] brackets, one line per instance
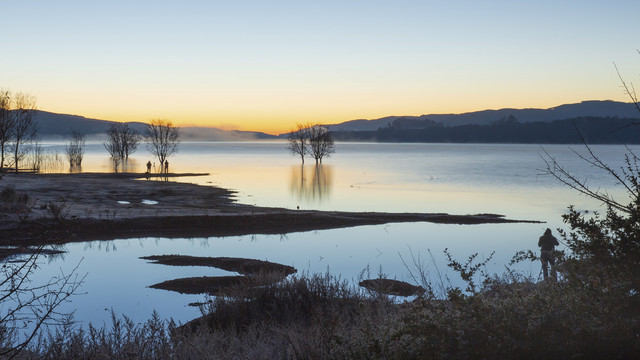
[162, 139]
[321, 142]
[6, 124]
[24, 126]
[299, 141]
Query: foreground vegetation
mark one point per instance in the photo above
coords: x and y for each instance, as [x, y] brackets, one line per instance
[321, 317]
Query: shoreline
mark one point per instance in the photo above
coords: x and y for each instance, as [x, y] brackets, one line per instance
[64, 208]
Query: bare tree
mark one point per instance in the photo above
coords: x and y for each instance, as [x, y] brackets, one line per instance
[162, 139]
[121, 140]
[25, 302]
[621, 177]
[36, 156]
[25, 128]
[629, 90]
[130, 139]
[113, 146]
[321, 143]
[299, 141]
[626, 177]
[75, 150]
[606, 245]
[6, 124]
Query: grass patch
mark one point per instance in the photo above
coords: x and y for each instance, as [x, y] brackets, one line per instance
[324, 317]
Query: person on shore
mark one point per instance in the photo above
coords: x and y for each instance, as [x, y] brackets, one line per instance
[149, 166]
[166, 167]
[547, 244]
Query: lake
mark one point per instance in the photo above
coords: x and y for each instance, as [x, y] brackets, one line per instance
[453, 178]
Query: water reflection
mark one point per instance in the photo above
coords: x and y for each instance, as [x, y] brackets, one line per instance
[107, 246]
[311, 183]
[129, 165]
[75, 169]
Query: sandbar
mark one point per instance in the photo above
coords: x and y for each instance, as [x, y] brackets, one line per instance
[105, 206]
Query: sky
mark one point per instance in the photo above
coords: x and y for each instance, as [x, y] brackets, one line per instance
[266, 65]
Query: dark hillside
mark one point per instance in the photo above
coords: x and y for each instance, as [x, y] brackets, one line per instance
[59, 126]
[594, 130]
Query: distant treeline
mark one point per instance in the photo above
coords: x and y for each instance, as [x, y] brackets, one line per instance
[594, 130]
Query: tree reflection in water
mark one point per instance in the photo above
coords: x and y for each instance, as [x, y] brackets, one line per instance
[127, 165]
[311, 183]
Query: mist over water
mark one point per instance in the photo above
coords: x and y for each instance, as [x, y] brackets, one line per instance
[451, 178]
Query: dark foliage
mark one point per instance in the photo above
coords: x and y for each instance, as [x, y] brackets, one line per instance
[594, 130]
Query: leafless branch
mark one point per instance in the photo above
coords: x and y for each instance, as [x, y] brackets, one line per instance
[560, 173]
[162, 139]
[29, 303]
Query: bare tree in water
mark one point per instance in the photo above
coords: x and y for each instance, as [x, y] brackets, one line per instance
[25, 129]
[321, 143]
[162, 139]
[129, 139]
[113, 146]
[6, 124]
[299, 141]
[121, 142]
[36, 156]
[75, 150]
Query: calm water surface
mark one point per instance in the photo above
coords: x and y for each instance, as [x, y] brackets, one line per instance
[452, 178]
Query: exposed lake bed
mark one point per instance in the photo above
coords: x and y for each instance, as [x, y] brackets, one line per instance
[91, 211]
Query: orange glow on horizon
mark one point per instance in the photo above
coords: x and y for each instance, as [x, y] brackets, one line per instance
[274, 121]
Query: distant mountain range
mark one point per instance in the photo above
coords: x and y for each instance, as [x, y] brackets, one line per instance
[433, 128]
[592, 130]
[60, 126]
[606, 108]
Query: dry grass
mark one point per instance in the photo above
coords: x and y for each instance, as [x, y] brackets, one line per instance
[323, 317]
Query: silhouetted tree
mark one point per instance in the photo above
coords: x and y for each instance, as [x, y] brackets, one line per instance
[162, 139]
[321, 143]
[299, 141]
[25, 128]
[6, 124]
[122, 139]
[75, 149]
[605, 246]
[25, 301]
[36, 156]
[129, 139]
[113, 146]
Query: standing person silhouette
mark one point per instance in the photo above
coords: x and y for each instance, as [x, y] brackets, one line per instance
[149, 166]
[166, 167]
[547, 244]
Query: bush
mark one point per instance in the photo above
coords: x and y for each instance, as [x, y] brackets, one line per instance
[520, 320]
[322, 317]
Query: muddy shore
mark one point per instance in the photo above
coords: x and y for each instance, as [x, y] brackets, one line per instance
[59, 208]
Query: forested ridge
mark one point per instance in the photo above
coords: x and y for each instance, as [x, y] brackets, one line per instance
[594, 130]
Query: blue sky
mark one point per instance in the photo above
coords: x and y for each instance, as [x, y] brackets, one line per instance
[265, 65]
